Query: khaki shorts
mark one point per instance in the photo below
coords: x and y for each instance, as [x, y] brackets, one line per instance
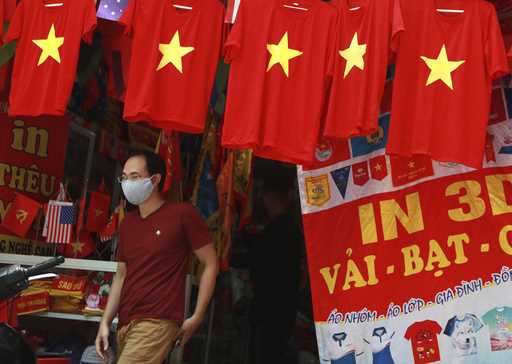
[146, 341]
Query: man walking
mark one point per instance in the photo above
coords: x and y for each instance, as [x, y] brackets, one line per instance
[148, 290]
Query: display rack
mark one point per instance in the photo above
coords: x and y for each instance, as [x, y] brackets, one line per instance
[68, 316]
[71, 316]
[79, 264]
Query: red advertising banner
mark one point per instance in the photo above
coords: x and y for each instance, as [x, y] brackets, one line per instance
[414, 265]
[32, 155]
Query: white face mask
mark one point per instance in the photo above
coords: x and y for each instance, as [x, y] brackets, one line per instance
[138, 191]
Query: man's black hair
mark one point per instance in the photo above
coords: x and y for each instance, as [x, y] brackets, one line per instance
[154, 165]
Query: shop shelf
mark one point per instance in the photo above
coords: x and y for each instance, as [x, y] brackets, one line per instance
[80, 264]
[69, 316]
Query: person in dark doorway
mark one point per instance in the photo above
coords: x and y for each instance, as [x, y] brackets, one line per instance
[275, 271]
[148, 290]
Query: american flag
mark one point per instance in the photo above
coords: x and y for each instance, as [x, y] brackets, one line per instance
[59, 222]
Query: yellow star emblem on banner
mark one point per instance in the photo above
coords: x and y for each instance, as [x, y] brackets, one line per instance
[173, 52]
[49, 46]
[354, 55]
[441, 68]
[282, 54]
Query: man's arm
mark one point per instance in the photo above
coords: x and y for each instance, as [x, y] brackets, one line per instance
[111, 310]
[208, 257]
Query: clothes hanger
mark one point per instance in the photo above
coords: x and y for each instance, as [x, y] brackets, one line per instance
[183, 7]
[457, 11]
[354, 8]
[295, 6]
[53, 5]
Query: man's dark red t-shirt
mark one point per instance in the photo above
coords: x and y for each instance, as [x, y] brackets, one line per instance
[156, 251]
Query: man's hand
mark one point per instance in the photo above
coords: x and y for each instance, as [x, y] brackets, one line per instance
[102, 341]
[188, 329]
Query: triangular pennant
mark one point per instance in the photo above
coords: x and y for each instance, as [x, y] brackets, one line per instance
[340, 177]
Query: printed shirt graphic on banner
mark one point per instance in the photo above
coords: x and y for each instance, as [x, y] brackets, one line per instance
[338, 347]
[499, 321]
[285, 55]
[446, 63]
[462, 330]
[380, 344]
[47, 54]
[363, 49]
[175, 53]
[423, 337]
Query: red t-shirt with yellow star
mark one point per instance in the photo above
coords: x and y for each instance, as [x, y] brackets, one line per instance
[445, 67]
[365, 30]
[47, 53]
[280, 56]
[175, 51]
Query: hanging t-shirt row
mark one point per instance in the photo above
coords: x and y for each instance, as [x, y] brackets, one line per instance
[284, 57]
[300, 70]
[176, 46]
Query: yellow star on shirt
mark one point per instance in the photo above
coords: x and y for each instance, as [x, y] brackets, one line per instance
[49, 46]
[354, 55]
[412, 165]
[173, 53]
[282, 54]
[441, 68]
[378, 167]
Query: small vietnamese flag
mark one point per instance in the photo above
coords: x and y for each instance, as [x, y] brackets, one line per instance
[98, 212]
[110, 229]
[378, 167]
[21, 215]
[82, 248]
